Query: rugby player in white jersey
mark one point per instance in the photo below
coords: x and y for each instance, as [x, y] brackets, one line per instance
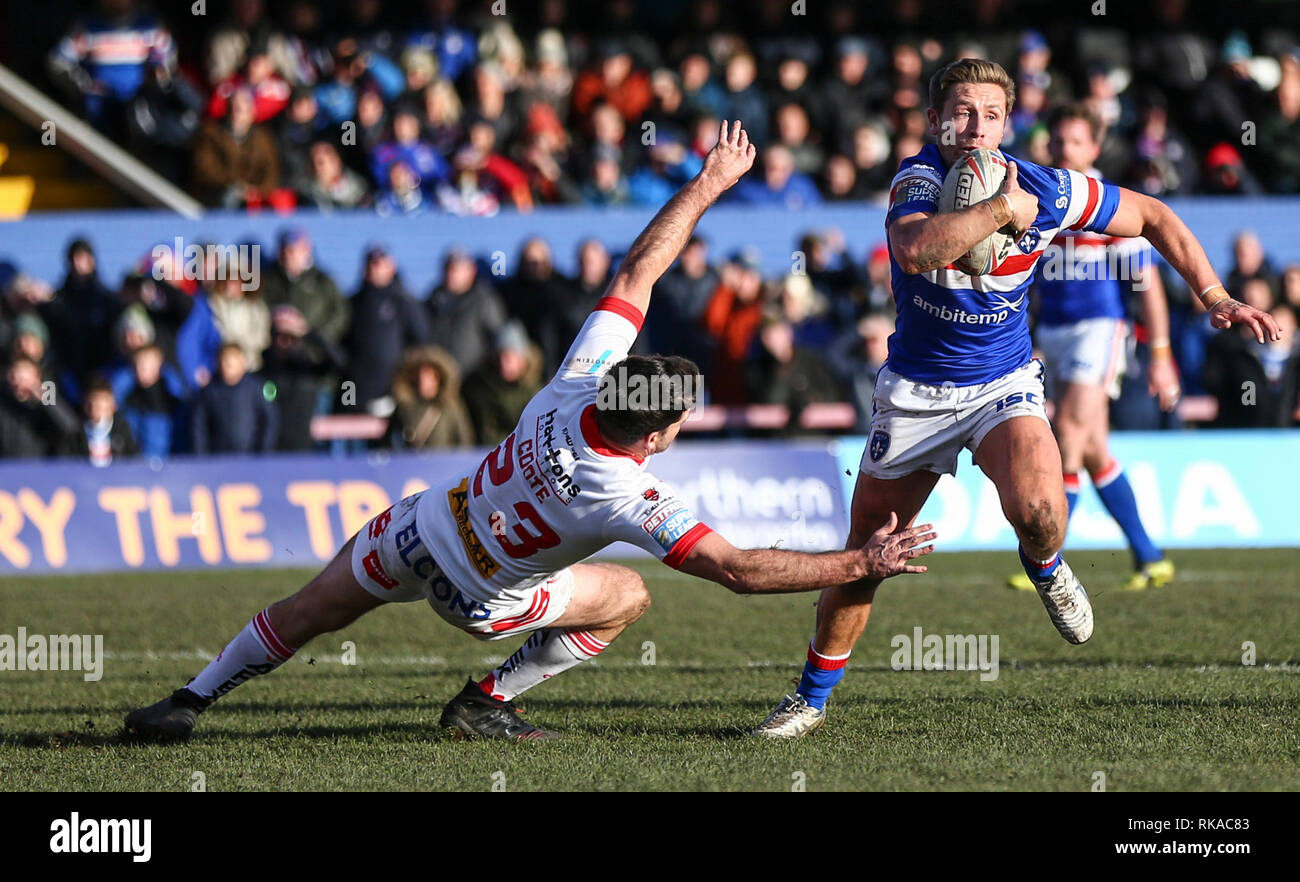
[1082, 332]
[496, 551]
[961, 372]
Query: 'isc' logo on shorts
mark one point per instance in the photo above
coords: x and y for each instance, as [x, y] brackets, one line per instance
[1017, 398]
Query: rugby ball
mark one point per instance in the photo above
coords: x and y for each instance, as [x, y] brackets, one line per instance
[972, 179]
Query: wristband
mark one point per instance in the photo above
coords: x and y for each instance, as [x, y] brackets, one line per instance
[1161, 350]
[1209, 302]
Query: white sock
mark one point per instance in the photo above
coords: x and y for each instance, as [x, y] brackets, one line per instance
[545, 654]
[256, 650]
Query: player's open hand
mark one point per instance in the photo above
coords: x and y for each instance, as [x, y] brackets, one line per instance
[730, 158]
[1225, 313]
[1024, 205]
[888, 552]
[1162, 383]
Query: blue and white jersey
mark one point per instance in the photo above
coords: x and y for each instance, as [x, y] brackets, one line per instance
[963, 329]
[1080, 274]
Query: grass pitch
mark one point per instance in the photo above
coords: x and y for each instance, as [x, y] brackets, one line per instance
[1158, 699]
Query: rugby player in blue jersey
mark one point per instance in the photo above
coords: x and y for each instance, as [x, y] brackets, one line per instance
[1083, 334]
[961, 371]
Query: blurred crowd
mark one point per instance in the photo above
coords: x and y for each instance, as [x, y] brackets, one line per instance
[440, 106]
[109, 369]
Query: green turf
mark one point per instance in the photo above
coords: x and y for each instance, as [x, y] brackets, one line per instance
[1158, 699]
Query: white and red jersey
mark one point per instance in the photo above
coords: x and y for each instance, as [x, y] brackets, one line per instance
[552, 494]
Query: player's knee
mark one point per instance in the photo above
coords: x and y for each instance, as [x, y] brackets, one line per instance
[636, 597]
[1042, 522]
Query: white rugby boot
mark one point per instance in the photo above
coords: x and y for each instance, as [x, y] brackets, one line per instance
[792, 718]
[1067, 604]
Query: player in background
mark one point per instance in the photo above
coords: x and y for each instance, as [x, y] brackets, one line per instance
[496, 551]
[961, 371]
[1082, 334]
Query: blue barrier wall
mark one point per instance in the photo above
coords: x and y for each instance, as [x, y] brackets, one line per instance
[1195, 489]
[37, 243]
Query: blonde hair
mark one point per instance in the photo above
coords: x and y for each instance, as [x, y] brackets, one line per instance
[970, 70]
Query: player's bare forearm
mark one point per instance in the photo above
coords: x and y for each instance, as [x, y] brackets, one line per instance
[774, 571]
[924, 242]
[667, 234]
[1155, 308]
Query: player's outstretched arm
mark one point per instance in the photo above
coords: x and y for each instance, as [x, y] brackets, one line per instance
[665, 237]
[772, 571]
[925, 241]
[1140, 215]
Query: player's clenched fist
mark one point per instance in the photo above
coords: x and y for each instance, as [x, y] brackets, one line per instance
[888, 552]
[730, 158]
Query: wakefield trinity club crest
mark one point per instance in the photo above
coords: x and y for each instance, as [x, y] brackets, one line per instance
[879, 444]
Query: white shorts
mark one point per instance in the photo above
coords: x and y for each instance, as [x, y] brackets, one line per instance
[1091, 352]
[391, 561]
[920, 427]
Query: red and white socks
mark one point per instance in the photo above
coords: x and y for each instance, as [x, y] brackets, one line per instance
[256, 650]
[546, 653]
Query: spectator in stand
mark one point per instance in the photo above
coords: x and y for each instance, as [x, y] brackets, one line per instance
[1035, 64]
[270, 92]
[1250, 262]
[166, 305]
[492, 103]
[430, 413]
[675, 320]
[152, 394]
[407, 147]
[232, 414]
[794, 132]
[104, 435]
[421, 68]
[80, 317]
[197, 343]
[532, 295]
[386, 320]
[298, 362]
[805, 310]
[853, 96]
[1257, 384]
[668, 111]
[132, 331]
[1165, 164]
[605, 185]
[1226, 173]
[354, 69]
[296, 131]
[103, 61]
[669, 165]
[700, 89]
[1279, 130]
[551, 81]
[544, 157]
[608, 130]
[331, 185]
[781, 186]
[841, 182]
[296, 281]
[793, 85]
[1229, 97]
[31, 340]
[162, 120]
[372, 131]
[241, 317]
[496, 394]
[908, 89]
[745, 100]
[831, 274]
[1029, 112]
[856, 357]
[787, 373]
[403, 195]
[236, 163]
[465, 312]
[613, 79]
[1291, 287]
[34, 420]
[247, 26]
[442, 116]
[492, 172]
[454, 45]
[580, 294]
[731, 321]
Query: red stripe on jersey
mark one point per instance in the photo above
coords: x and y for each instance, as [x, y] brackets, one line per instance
[591, 434]
[1093, 193]
[623, 308]
[682, 547]
[1017, 263]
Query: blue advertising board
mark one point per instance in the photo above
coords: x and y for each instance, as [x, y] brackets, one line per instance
[279, 511]
[1194, 489]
